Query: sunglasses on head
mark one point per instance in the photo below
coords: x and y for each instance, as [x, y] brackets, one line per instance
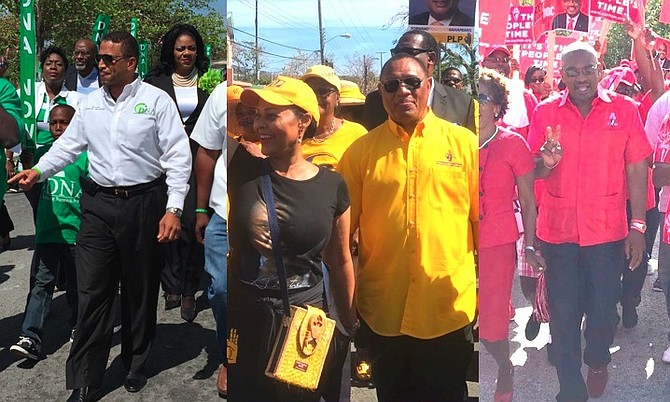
[484, 99]
[411, 83]
[408, 50]
[108, 59]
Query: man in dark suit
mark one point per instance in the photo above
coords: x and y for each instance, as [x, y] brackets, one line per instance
[572, 19]
[442, 12]
[661, 54]
[82, 76]
[447, 103]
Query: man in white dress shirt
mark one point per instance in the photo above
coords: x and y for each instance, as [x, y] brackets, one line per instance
[137, 147]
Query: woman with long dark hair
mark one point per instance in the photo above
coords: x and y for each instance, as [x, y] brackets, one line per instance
[182, 62]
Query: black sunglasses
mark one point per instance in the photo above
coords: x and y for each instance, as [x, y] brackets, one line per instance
[108, 59]
[452, 80]
[411, 83]
[323, 92]
[409, 50]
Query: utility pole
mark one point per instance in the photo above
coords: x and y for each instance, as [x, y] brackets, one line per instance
[322, 35]
[381, 63]
[365, 75]
[257, 67]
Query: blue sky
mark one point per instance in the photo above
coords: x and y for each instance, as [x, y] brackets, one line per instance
[294, 23]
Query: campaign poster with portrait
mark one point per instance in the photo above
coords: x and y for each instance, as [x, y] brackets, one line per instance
[450, 21]
[564, 15]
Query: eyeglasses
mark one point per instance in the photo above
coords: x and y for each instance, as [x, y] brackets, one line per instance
[81, 53]
[503, 59]
[323, 92]
[409, 50]
[108, 59]
[484, 99]
[574, 72]
[411, 83]
[536, 80]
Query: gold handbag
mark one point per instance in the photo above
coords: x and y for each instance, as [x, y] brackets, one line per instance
[300, 350]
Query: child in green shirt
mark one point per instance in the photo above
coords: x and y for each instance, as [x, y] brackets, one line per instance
[56, 228]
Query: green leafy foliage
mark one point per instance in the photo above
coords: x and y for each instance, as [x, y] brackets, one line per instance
[63, 22]
[210, 80]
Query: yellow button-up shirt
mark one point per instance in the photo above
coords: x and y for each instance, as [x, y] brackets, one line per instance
[414, 198]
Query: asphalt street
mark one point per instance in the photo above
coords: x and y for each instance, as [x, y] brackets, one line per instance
[636, 373]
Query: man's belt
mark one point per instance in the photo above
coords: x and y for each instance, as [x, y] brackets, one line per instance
[92, 188]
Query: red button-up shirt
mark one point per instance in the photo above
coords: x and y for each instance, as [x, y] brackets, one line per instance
[585, 198]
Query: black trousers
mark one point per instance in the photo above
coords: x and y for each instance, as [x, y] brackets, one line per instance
[185, 257]
[632, 282]
[407, 369]
[116, 244]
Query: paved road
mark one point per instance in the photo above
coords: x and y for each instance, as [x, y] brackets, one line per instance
[637, 373]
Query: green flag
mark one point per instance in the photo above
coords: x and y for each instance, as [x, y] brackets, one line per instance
[100, 28]
[143, 66]
[133, 27]
[208, 51]
[28, 64]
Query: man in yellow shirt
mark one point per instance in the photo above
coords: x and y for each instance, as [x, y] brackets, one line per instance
[413, 185]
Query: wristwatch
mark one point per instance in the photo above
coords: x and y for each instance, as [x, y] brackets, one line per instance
[175, 211]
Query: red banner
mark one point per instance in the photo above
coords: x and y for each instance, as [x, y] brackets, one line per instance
[536, 54]
[615, 10]
[664, 17]
[519, 25]
[493, 21]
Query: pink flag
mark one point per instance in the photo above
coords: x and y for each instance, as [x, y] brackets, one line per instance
[664, 17]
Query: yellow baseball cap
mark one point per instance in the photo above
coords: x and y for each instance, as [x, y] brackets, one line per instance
[284, 91]
[325, 73]
[234, 92]
[350, 94]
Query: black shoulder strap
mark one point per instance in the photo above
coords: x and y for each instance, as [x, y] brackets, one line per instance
[274, 235]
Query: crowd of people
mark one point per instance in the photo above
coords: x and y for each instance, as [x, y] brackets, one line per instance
[324, 198]
[125, 178]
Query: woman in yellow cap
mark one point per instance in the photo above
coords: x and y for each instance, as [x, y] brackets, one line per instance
[333, 135]
[312, 205]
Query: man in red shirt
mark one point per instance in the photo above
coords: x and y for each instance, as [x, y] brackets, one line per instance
[589, 163]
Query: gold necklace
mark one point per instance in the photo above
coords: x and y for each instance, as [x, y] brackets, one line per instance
[190, 80]
[329, 132]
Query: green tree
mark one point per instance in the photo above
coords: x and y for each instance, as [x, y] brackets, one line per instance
[63, 22]
[464, 57]
[618, 41]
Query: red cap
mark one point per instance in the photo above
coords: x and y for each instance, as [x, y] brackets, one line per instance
[492, 49]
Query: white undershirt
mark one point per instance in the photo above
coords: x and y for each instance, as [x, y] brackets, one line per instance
[187, 100]
[88, 84]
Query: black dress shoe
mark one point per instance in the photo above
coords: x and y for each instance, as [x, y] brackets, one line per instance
[135, 382]
[188, 312]
[172, 301]
[86, 394]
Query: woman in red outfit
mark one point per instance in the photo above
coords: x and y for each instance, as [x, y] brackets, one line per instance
[506, 167]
